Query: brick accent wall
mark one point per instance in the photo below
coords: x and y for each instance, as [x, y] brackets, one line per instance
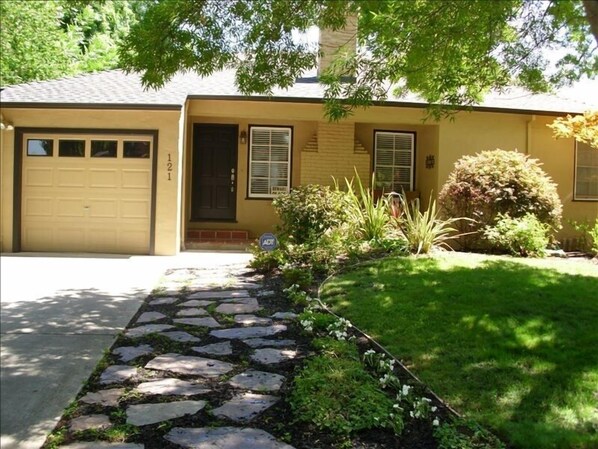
[337, 155]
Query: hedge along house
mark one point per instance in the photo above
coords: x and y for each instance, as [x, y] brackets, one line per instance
[95, 163]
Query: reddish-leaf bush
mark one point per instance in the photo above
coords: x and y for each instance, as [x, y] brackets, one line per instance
[498, 182]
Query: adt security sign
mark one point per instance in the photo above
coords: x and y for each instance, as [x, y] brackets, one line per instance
[268, 241]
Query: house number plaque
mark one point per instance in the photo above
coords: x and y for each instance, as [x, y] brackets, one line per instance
[169, 167]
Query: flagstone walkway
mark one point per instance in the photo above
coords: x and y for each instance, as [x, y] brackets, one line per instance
[203, 331]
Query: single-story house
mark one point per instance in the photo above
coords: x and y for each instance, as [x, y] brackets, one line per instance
[95, 163]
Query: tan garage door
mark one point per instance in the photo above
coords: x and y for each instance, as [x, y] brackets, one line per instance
[86, 193]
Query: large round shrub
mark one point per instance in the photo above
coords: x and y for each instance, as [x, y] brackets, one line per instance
[499, 182]
[307, 212]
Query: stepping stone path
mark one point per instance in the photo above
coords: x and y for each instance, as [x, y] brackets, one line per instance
[128, 353]
[223, 348]
[171, 387]
[144, 414]
[175, 383]
[86, 422]
[107, 398]
[244, 407]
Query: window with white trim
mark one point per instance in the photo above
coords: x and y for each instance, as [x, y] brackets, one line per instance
[586, 172]
[269, 161]
[394, 157]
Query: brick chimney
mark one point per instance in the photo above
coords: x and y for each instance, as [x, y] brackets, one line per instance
[333, 42]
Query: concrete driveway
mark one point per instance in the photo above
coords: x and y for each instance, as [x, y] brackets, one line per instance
[58, 314]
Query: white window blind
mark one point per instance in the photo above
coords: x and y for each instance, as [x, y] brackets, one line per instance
[269, 161]
[586, 172]
[394, 160]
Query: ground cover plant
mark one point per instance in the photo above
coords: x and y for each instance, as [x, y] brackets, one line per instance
[508, 342]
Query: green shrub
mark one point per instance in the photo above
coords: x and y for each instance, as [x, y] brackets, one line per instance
[266, 261]
[499, 182]
[301, 277]
[336, 394]
[369, 218]
[424, 230]
[524, 236]
[308, 212]
[589, 235]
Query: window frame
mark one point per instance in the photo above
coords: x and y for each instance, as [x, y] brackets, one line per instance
[575, 169]
[251, 128]
[413, 135]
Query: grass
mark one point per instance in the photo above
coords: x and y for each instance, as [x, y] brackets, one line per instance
[509, 342]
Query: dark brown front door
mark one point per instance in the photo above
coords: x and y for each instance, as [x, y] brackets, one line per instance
[214, 174]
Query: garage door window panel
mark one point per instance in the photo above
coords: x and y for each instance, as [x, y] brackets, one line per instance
[104, 148]
[40, 147]
[71, 148]
[136, 149]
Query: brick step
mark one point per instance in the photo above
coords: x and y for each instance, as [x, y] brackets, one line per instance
[220, 235]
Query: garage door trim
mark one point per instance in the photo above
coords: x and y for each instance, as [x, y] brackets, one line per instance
[18, 172]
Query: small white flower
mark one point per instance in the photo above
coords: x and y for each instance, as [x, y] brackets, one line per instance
[434, 408]
[411, 414]
[436, 422]
[405, 390]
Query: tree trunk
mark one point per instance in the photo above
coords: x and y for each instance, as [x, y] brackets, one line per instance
[591, 8]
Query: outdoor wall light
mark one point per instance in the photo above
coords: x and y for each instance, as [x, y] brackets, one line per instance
[430, 161]
[243, 137]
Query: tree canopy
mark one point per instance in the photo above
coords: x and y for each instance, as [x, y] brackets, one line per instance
[52, 38]
[583, 128]
[450, 52]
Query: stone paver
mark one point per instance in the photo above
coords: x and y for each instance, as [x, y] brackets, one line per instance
[87, 422]
[268, 343]
[171, 387]
[284, 316]
[107, 398]
[202, 322]
[196, 303]
[118, 373]
[235, 308]
[140, 331]
[148, 317]
[163, 301]
[144, 414]
[257, 381]
[270, 356]
[128, 353]
[223, 438]
[223, 348]
[189, 365]
[245, 407]
[252, 320]
[220, 294]
[103, 445]
[266, 293]
[248, 301]
[192, 311]
[249, 332]
[181, 336]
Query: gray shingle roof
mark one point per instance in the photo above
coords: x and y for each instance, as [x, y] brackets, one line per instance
[116, 88]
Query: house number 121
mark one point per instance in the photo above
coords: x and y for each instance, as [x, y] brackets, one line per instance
[169, 167]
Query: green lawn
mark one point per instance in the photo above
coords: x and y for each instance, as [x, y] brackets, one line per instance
[511, 343]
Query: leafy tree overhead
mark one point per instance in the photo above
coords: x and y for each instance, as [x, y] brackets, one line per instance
[583, 128]
[448, 51]
[52, 38]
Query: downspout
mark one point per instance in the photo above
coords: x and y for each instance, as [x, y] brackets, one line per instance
[528, 144]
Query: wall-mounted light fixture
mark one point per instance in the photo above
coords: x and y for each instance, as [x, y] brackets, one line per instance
[243, 137]
[430, 161]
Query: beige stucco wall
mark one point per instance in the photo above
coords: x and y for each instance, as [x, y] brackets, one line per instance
[168, 124]
[558, 159]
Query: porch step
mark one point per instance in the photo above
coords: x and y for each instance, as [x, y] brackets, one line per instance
[217, 239]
